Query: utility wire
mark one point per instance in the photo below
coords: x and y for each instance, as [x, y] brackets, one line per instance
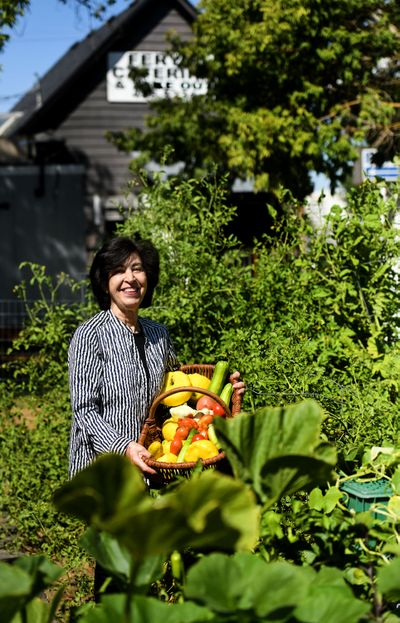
[10, 97]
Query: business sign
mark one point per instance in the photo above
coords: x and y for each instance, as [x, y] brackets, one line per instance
[388, 171]
[163, 74]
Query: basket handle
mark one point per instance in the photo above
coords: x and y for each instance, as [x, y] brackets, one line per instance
[186, 388]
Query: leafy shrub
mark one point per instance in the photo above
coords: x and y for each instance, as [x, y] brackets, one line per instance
[309, 312]
[40, 350]
[34, 435]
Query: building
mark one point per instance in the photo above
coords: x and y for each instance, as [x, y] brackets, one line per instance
[61, 180]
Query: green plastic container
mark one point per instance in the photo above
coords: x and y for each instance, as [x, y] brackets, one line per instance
[360, 496]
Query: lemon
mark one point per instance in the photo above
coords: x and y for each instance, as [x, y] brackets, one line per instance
[202, 449]
[169, 429]
[155, 449]
[166, 446]
[175, 380]
[199, 380]
[167, 458]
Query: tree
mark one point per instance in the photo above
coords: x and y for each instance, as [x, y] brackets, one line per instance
[10, 10]
[294, 86]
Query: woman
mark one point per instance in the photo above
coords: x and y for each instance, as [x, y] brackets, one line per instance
[117, 361]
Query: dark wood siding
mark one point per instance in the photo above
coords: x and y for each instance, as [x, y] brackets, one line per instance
[84, 128]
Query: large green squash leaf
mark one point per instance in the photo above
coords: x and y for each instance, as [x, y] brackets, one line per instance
[36, 611]
[21, 582]
[331, 600]
[244, 583]
[212, 503]
[15, 586]
[109, 487]
[245, 587]
[388, 580]
[210, 510]
[145, 610]
[278, 450]
[116, 558]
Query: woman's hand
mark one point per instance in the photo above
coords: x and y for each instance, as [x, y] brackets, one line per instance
[238, 385]
[135, 453]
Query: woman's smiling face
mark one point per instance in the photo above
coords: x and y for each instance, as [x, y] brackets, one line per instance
[127, 286]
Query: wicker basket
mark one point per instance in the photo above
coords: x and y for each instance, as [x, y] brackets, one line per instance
[167, 472]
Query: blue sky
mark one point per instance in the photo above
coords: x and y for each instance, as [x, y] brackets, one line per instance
[40, 38]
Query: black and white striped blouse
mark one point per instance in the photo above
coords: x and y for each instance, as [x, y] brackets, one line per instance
[111, 389]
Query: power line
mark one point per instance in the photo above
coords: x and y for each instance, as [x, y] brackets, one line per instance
[43, 39]
[10, 97]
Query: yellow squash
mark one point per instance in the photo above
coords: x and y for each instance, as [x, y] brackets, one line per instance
[202, 449]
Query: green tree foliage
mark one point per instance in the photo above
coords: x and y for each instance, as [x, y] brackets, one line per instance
[293, 86]
[10, 10]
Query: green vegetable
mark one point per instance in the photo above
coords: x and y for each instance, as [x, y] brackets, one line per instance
[185, 445]
[219, 377]
[212, 435]
[226, 393]
[176, 565]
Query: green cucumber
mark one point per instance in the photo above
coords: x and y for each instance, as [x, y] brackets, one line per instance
[219, 377]
[185, 445]
[226, 393]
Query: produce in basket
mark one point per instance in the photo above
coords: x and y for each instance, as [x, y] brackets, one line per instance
[199, 380]
[190, 425]
[219, 377]
[189, 438]
[168, 458]
[169, 429]
[217, 385]
[156, 449]
[174, 379]
[201, 449]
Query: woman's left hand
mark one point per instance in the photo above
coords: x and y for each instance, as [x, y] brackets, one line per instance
[237, 384]
[135, 453]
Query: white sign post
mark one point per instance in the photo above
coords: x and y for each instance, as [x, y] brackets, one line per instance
[388, 171]
[166, 78]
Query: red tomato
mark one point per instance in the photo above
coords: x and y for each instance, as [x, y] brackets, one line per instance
[203, 433]
[218, 410]
[188, 423]
[198, 437]
[181, 432]
[205, 420]
[205, 402]
[176, 445]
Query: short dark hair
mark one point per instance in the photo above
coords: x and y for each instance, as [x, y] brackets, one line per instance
[112, 255]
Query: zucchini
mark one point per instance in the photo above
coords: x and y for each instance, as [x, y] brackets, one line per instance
[185, 445]
[226, 393]
[219, 377]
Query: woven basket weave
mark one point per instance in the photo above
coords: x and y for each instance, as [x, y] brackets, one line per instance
[167, 472]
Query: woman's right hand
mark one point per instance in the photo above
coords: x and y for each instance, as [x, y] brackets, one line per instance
[135, 453]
